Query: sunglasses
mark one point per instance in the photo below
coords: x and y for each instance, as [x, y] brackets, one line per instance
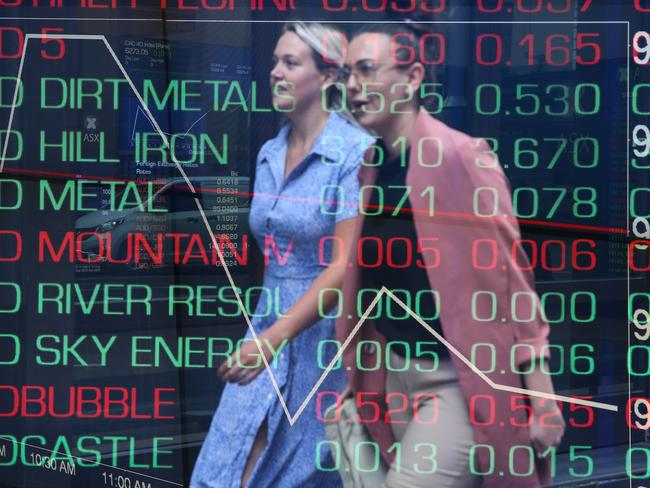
[366, 70]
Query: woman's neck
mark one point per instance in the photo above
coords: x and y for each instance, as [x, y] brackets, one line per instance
[399, 126]
[306, 126]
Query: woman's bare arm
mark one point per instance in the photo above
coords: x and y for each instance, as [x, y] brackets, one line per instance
[303, 314]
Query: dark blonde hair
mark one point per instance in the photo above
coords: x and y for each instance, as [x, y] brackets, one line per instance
[327, 48]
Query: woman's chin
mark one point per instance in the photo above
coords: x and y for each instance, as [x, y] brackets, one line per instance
[283, 104]
[367, 120]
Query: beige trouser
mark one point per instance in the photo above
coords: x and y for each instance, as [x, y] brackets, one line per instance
[422, 465]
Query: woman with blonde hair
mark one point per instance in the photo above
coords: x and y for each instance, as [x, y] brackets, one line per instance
[251, 441]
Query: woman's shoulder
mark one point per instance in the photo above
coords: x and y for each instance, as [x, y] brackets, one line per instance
[352, 133]
[341, 144]
[354, 140]
[467, 160]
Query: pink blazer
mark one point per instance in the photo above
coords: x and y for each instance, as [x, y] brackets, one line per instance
[465, 165]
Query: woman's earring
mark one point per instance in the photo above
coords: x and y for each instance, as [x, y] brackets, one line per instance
[410, 91]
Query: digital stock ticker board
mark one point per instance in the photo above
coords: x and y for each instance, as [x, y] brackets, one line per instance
[324, 243]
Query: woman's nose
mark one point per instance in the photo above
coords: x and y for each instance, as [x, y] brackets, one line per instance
[276, 72]
[351, 83]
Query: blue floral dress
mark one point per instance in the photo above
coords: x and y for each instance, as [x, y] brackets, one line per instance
[297, 212]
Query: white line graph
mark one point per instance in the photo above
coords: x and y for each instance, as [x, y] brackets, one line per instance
[291, 418]
[199, 206]
[182, 136]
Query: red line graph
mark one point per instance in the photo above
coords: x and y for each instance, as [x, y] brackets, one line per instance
[226, 191]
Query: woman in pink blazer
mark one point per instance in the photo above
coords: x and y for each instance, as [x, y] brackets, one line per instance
[464, 229]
